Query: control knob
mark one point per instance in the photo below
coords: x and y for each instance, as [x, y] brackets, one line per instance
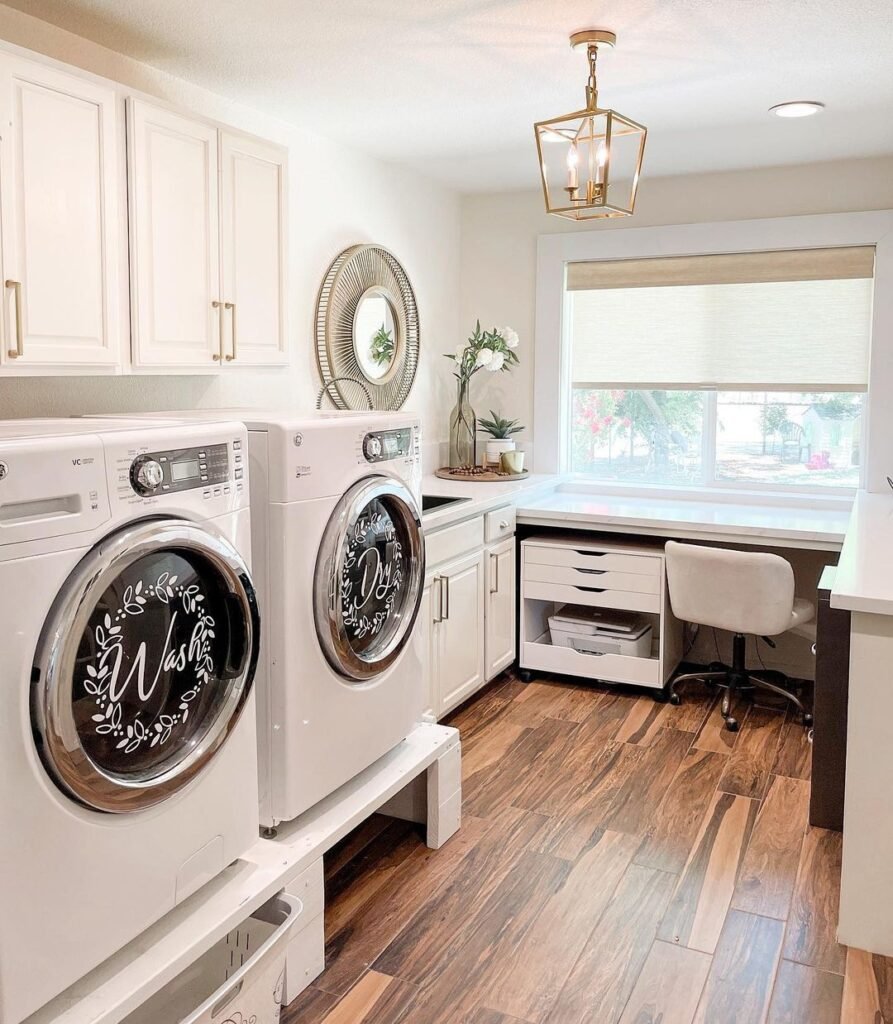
[372, 447]
[146, 475]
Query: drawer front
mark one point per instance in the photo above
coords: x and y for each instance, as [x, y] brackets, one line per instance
[615, 668]
[453, 541]
[605, 579]
[595, 597]
[309, 887]
[584, 558]
[500, 523]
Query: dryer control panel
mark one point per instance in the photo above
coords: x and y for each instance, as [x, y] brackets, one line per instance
[384, 445]
[180, 469]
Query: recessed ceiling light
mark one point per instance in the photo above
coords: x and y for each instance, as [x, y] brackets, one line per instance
[798, 108]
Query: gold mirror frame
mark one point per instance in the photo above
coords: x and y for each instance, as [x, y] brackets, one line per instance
[349, 278]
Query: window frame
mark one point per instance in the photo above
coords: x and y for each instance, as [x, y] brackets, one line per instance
[552, 384]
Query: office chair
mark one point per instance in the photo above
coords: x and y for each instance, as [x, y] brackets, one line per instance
[744, 592]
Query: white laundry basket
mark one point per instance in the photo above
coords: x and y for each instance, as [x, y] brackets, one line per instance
[238, 981]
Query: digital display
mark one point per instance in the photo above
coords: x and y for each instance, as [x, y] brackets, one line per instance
[184, 470]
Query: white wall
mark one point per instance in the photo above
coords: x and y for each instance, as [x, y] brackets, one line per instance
[499, 233]
[338, 197]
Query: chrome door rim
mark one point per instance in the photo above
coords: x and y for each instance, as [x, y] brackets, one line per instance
[56, 733]
[327, 609]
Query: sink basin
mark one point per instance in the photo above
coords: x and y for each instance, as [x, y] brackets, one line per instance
[431, 502]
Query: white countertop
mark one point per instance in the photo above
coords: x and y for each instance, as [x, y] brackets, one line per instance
[864, 581]
[482, 497]
[800, 525]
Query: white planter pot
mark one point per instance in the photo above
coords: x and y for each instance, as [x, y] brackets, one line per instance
[495, 448]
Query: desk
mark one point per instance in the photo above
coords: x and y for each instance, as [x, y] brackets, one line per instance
[789, 526]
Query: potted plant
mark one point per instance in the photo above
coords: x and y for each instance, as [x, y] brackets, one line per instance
[493, 350]
[501, 440]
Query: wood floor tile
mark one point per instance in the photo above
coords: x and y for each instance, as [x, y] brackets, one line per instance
[395, 1003]
[606, 972]
[867, 989]
[557, 936]
[539, 700]
[635, 805]
[310, 1007]
[489, 704]
[569, 834]
[669, 987]
[644, 721]
[739, 985]
[412, 949]
[489, 749]
[671, 835]
[469, 960]
[483, 1015]
[751, 762]
[812, 922]
[794, 757]
[713, 735]
[690, 715]
[803, 994]
[769, 870]
[357, 1005]
[354, 843]
[702, 897]
[604, 721]
[363, 936]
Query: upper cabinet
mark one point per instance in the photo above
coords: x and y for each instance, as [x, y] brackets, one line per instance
[207, 239]
[60, 186]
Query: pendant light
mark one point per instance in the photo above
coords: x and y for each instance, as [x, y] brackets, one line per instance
[590, 160]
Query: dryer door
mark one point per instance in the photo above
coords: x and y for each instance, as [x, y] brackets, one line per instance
[369, 578]
[144, 664]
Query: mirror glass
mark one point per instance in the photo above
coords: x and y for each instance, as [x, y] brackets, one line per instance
[375, 334]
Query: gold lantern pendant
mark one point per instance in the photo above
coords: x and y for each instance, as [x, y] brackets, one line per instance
[590, 160]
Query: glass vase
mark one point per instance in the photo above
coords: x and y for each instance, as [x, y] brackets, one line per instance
[463, 430]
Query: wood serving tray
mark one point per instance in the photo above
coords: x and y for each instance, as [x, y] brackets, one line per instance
[479, 475]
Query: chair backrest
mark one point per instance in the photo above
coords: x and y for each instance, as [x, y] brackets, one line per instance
[741, 591]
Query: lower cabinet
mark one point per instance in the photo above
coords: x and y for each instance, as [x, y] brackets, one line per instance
[468, 609]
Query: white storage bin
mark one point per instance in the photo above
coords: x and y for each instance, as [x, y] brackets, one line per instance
[594, 631]
[238, 981]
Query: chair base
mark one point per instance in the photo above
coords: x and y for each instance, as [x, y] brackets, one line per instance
[737, 680]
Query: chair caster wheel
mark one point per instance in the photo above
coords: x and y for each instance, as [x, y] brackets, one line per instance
[675, 700]
[525, 676]
[732, 724]
[807, 719]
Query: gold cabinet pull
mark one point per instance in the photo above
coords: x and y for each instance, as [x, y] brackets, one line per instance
[19, 350]
[232, 306]
[218, 355]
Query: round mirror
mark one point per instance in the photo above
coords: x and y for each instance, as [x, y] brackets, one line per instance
[375, 334]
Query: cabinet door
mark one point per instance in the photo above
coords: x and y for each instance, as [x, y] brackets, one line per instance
[500, 644]
[61, 181]
[429, 613]
[176, 306]
[459, 635]
[253, 224]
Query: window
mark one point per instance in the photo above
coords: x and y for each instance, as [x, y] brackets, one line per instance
[745, 370]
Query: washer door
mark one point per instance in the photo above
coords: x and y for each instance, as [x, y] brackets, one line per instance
[369, 579]
[144, 664]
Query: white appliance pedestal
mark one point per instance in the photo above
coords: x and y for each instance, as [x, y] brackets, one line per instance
[292, 861]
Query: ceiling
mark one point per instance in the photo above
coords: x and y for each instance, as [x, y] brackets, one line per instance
[452, 87]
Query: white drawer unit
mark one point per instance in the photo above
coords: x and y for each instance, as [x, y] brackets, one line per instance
[499, 524]
[577, 570]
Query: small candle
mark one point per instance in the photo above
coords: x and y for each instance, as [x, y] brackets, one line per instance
[572, 158]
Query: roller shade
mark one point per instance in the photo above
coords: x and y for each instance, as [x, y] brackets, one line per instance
[797, 319]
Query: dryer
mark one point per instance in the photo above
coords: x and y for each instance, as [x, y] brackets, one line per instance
[339, 563]
[130, 641]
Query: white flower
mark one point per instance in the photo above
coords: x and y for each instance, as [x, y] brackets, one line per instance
[496, 362]
[509, 336]
[485, 357]
[460, 352]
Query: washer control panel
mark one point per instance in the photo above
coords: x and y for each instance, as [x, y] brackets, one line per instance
[384, 445]
[180, 469]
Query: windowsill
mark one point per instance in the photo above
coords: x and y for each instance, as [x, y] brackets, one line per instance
[582, 484]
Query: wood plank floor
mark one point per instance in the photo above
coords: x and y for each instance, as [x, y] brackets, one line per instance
[620, 862]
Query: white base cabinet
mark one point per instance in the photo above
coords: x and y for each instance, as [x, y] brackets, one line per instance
[468, 608]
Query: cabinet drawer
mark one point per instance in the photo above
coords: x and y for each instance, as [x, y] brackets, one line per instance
[597, 598]
[593, 558]
[500, 523]
[605, 579]
[453, 541]
[615, 668]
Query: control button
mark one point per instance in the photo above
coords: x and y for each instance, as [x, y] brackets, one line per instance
[146, 475]
[372, 447]
[238, 458]
[217, 492]
[204, 476]
[237, 445]
[227, 489]
[201, 455]
[206, 493]
[239, 474]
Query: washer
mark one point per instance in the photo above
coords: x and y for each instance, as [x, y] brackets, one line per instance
[130, 643]
[339, 560]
